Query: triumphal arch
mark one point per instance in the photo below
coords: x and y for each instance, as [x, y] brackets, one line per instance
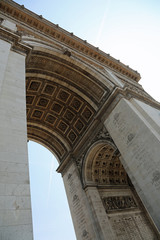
[90, 111]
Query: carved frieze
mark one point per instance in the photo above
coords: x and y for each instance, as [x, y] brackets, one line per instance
[115, 203]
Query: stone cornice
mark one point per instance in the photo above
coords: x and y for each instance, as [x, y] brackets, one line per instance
[35, 22]
[14, 40]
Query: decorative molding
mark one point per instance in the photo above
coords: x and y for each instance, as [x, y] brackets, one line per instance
[37, 23]
[14, 39]
[103, 134]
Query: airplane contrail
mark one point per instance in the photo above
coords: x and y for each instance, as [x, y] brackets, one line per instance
[102, 23]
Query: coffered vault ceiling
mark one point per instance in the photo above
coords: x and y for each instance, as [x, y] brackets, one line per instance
[62, 100]
[66, 79]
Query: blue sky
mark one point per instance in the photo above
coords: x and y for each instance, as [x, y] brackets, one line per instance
[51, 216]
[128, 30]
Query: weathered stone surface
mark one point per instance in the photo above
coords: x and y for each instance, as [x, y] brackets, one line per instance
[8, 24]
[4, 53]
[139, 145]
[15, 203]
[100, 219]
[79, 206]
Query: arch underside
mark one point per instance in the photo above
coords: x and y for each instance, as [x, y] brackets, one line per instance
[63, 98]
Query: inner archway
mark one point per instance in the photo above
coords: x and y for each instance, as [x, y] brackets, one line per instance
[50, 209]
[105, 177]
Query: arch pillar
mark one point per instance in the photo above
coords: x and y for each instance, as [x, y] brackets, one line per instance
[88, 213]
[99, 214]
[82, 217]
[15, 204]
[135, 129]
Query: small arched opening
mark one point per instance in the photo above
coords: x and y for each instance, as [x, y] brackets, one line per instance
[113, 198]
[103, 167]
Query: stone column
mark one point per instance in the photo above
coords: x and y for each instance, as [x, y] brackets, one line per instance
[82, 216]
[137, 136]
[100, 217]
[15, 203]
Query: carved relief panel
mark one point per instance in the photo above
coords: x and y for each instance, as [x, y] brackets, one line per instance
[119, 203]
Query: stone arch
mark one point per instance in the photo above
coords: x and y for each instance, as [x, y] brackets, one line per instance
[103, 166]
[72, 89]
[110, 190]
[63, 96]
